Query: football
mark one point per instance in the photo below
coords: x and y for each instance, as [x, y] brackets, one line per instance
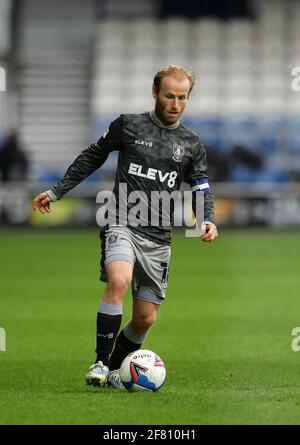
[142, 370]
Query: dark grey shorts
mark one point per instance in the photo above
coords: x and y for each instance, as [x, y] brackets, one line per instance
[150, 261]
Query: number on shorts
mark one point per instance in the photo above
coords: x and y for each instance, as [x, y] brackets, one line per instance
[164, 278]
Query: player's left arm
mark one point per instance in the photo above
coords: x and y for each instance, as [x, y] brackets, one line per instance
[196, 176]
[209, 231]
[88, 161]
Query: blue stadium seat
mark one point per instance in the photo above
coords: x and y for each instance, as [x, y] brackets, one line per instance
[293, 144]
[49, 177]
[239, 130]
[94, 177]
[273, 176]
[243, 174]
[293, 127]
[272, 131]
[208, 128]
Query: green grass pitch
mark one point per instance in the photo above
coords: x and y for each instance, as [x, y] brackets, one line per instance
[224, 332]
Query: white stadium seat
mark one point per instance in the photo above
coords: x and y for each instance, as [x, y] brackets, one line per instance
[242, 66]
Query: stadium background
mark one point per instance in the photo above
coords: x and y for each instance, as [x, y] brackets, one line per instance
[67, 69]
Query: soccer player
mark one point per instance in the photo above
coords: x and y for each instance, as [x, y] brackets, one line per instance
[156, 153]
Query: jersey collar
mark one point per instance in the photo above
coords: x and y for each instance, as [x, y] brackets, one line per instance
[158, 122]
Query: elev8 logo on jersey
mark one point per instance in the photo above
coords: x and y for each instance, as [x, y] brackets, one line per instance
[153, 173]
[147, 143]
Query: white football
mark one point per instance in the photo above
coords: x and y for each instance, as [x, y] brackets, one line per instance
[142, 370]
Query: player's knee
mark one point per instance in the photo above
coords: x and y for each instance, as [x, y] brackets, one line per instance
[145, 321]
[118, 284]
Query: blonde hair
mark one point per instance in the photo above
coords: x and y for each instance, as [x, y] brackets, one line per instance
[170, 70]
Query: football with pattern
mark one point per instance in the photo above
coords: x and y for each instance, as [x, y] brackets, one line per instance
[142, 370]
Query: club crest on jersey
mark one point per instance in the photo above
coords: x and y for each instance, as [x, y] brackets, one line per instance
[178, 152]
[112, 239]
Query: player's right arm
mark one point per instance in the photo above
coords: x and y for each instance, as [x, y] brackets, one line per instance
[84, 165]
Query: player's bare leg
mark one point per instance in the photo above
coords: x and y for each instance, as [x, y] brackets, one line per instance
[109, 319]
[119, 274]
[144, 314]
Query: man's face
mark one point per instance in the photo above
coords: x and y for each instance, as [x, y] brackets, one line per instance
[171, 99]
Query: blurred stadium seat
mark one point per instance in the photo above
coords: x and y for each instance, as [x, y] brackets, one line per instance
[239, 98]
[240, 130]
[208, 127]
[272, 132]
[242, 96]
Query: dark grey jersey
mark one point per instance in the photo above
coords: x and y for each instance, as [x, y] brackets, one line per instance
[152, 158]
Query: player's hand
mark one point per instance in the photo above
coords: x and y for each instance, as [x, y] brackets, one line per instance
[209, 232]
[42, 203]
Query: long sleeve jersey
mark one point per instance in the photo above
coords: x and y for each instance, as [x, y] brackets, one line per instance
[152, 158]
